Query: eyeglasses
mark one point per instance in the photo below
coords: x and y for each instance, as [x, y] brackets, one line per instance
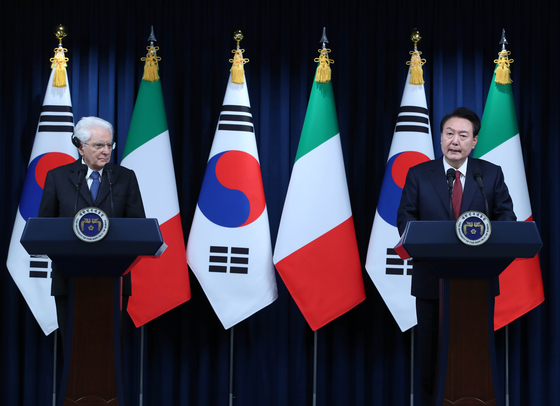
[101, 145]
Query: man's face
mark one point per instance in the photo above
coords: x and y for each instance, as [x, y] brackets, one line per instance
[96, 158]
[457, 141]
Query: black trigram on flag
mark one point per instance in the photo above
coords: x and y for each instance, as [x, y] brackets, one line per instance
[232, 260]
[395, 265]
[40, 266]
[413, 119]
[236, 118]
[56, 119]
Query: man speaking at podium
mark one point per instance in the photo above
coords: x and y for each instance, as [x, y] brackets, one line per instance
[90, 181]
[427, 196]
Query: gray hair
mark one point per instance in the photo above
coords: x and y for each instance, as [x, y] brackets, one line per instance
[82, 131]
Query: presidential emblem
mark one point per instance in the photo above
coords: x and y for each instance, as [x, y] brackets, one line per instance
[91, 224]
[473, 228]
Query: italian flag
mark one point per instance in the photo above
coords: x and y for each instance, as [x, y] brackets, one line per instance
[316, 252]
[521, 288]
[158, 284]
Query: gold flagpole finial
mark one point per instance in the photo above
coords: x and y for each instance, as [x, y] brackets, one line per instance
[60, 32]
[151, 60]
[237, 71]
[324, 72]
[416, 62]
[58, 62]
[502, 70]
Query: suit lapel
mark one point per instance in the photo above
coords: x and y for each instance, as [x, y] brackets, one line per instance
[75, 176]
[109, 174]
[439, 183]
[470, 187]
[103, 190]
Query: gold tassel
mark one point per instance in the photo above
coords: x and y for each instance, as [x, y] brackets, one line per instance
[502, 70]
[416, 72]
[324, 68]
[151, 66]
[59, 66]
[237, 71]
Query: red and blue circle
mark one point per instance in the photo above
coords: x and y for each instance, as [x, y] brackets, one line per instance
[232, 193]
[35, 181]
[393, 183]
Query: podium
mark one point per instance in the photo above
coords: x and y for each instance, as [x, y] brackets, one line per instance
[92, 372]
[467, 370]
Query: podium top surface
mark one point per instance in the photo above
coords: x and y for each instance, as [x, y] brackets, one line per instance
[438, 240]
[125, 237]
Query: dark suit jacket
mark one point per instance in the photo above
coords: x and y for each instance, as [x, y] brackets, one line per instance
[59, 199]
[426, 197]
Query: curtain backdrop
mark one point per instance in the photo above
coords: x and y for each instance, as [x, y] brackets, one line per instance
[363, 357]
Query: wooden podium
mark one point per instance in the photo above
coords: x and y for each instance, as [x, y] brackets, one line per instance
[467, 370]
[92, 374]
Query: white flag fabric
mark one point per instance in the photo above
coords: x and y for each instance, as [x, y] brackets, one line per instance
[229, 247]
[411, 145]
[52, 147]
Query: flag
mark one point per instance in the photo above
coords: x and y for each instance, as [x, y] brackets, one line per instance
[229, 247]
[411, 145]
[52, 148]
[316, 252]
[521, 288]
[158, 284]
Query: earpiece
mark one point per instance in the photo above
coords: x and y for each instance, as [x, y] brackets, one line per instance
[76, 141]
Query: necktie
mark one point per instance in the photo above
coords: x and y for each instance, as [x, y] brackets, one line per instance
[95, 185]
[457, 195]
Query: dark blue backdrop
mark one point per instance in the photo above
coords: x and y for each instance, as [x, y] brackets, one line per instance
[363, 357]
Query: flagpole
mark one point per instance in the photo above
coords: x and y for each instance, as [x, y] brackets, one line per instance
[231, 366]
[412, 366]
[315, 368]
[507, 364]
[54, 368]
[141, 389]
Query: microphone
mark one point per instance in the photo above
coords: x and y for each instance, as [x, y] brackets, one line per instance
[450, 177]
[81, 175]
[478, 178]
[109, 173]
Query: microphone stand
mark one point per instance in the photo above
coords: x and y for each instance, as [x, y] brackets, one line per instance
[78, 185]
[450, 177]
[109, 172]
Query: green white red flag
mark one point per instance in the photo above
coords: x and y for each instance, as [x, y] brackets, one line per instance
[521, 287]
[158, 284]
[316, 252]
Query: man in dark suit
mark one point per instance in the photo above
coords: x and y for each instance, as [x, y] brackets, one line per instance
[425, 196]
[69, 188]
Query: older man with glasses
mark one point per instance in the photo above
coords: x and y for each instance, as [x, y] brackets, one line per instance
[90, 181]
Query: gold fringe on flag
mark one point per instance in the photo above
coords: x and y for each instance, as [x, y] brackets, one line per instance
[324, 68]
[502, 70]
[59, 66]
[237, 71]
[151, 66]
[415, 63]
